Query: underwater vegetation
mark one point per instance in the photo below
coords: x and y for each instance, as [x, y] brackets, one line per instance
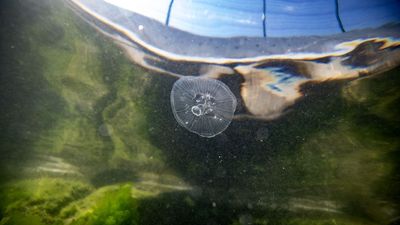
[202, 105]
[88, 137]
[113, 208]
[40, 199]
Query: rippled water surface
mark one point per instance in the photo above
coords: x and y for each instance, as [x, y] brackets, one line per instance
[88, 137]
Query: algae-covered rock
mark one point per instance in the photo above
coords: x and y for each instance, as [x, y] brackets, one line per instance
[74, 120]
[379, 95]
[42, 198]
[70, 93]
[107, 206]
[62, 201]
[22, 218]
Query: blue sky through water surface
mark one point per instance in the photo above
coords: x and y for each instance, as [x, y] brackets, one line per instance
[271, 18]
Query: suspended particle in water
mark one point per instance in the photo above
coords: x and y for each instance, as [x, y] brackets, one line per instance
[262, 134]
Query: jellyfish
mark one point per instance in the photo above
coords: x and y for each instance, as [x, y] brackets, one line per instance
[203, 106]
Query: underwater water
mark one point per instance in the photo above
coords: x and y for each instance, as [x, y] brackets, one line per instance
[88, 137]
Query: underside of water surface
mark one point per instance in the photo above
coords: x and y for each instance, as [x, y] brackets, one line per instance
[88, 137]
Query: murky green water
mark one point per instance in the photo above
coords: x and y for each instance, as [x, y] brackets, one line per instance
[87, 137]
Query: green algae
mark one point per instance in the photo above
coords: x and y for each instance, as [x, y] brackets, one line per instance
[21, 218]
[61, 201]
[42, 198]
[115, 207]
[66, 86]
[96, 88]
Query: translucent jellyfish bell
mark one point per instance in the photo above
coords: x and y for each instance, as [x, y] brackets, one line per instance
[202, 105]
